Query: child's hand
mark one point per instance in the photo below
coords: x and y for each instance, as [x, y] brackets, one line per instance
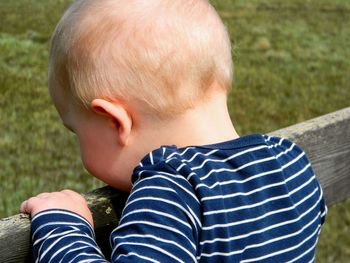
[66, 199]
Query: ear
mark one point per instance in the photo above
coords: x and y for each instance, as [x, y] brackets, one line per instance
[118, 113]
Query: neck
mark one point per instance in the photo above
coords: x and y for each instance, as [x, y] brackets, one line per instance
[208, 123]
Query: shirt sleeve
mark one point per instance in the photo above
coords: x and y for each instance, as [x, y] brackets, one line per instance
[159, 223]
[63, 236]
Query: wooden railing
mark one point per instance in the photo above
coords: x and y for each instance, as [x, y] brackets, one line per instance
[325, 139]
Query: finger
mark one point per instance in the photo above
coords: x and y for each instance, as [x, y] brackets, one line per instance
[43, 195]
[23, 207]
[30, 204]
[73, 194]
[69, 192]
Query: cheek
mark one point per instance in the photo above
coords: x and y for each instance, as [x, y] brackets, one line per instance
[88, 161]
[103, 157]
[94, 152]
[97, 154]
[107, 163]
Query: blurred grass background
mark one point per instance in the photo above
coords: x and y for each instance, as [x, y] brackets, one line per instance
[292, 63]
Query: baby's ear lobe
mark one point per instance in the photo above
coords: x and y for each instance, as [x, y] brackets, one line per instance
[118, 114]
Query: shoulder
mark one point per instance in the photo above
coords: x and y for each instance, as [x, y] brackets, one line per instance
[158, 169]
[272, 140]
[162, 180]
[159, 194]
[283, 146]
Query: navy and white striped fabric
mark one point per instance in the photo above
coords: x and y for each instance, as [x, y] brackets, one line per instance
[252, 199]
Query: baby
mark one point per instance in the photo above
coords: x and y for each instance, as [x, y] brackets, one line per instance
[143, 85]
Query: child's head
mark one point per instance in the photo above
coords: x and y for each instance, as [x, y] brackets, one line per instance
[163, 54]
[117, 57]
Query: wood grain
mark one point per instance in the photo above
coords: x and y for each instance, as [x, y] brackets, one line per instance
[106, 205]
[326, 140]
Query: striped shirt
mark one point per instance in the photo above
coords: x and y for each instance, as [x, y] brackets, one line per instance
[252, 199]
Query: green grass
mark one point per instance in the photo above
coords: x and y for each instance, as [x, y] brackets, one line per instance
[292, 63]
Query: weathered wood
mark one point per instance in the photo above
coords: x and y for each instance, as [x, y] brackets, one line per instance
[15, 239]
[105, 203]
[326, 141]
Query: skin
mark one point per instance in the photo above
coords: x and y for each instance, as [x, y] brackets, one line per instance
[114, 136]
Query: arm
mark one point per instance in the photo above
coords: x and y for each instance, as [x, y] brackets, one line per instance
[159, 223]
[62, 228]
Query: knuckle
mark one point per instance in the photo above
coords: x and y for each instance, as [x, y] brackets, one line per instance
[67, 191]
[42, 195]
[73, 194]
[80, 198]
[32, 199]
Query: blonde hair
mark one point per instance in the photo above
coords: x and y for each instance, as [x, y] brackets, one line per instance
[163, 53]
